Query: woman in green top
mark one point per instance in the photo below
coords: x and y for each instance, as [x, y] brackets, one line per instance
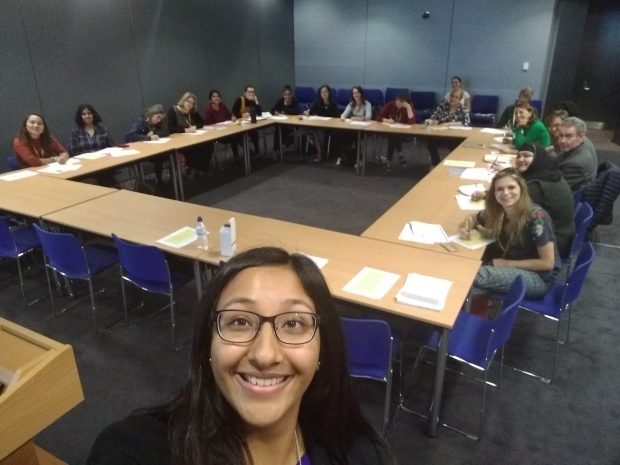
[529, 128]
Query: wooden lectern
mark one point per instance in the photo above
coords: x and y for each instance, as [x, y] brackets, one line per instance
[40, 384]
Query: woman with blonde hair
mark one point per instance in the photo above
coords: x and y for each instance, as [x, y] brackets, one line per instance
[524, 239]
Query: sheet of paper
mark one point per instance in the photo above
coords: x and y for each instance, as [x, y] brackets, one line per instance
[478, 174]
[424, 291]
[475, 241]
[71, 164]
[359, 123]
[197, 132]
[466, 203]
[499, 140]
[266, 114]
[223, 123]
[423, 233]
[279, 117]
[318, 261]
[179, 238]
[161, 140]
[398, 125]
[371, 283]
[92, 155]
[469, 189]
[460, 163]
[499, 158]
[320, 118]
[492, 131]
[18, 175]
[462, 128]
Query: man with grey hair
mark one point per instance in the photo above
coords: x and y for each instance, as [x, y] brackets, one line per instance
[577, 157]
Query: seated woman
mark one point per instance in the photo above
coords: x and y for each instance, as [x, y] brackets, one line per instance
[89, 135]
[286, 105]
[449, 112]
[150, 126]
[525, 242]
[268, 379]
[358, 109]
[218, 112]
[323, 106]
[184, 117]
[553, 121]
[548, 189]
[35, 146]
[457, 84]
[508, 119]
[529, 128]
[246, 105]
[399, 110]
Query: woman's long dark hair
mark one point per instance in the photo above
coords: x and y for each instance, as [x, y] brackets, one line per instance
[78, 115]
[205, 429]
[45, 139]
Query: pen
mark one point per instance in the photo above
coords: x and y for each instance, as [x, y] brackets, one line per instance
[411, 229]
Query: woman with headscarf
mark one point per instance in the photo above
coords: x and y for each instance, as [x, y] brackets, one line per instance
[548, 189]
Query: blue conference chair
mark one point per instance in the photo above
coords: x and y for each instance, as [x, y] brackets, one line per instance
[16, 243]
[578, 198]
[484, 110]
[392, 92]
[65, 255]
[424, 104]
[558, 301]
[370, 348]
[12, 163]
[583, 217]
[342, 97]
[375, 97]
[305, 96]
[474, 341]
[537, 104]
[146, 267]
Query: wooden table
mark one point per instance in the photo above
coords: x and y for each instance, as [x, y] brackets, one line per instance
[40, 195]
[432, 200]
[143, 219]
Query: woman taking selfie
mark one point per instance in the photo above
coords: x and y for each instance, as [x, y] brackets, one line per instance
[268, 380]
[524, 239]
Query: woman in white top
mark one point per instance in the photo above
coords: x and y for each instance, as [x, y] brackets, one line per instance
[358, 109]
[457, 84]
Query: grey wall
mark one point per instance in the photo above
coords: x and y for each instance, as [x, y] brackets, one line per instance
[381, 43]
[123, 55]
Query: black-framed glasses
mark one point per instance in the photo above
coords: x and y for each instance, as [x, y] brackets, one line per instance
[242, 326]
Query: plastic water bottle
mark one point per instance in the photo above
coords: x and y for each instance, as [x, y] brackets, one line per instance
[202, 234]
[252, 115]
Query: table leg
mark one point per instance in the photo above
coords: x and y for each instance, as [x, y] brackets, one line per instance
[440, 369]
[280, 137]
[198, 278]
[357, 160]
[173, 175]
[175, 159]
[246, 153]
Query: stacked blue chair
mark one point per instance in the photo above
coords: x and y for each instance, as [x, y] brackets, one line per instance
[424, 104]
[305, 97]
[583, 217]
[146, 267]
[370, 347]
[484, 110]
[392, 92]
[16, 243]
[65, 255]
[537, 104]
[474, 341]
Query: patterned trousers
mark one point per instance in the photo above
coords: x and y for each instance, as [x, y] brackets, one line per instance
[498, 279]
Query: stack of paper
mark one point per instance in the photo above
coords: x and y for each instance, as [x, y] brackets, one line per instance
[18, 175]
[71, 164]
[478, 174]
[424, 291]
[424, 233]
[475, 241]
[492, 131]
[161, 140]
[459, 163]
[466, 203]
[179, 238]
[469, 189]
[360, 123]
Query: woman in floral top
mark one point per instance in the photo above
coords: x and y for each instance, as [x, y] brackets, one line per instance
[524, 240]
[449, 112]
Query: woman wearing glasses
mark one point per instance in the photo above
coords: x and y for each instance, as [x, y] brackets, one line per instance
[268, 379]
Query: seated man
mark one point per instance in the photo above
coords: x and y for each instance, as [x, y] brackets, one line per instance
[577, 157]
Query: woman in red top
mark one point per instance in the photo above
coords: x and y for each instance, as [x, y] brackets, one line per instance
[35, 146]
[218, 112]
